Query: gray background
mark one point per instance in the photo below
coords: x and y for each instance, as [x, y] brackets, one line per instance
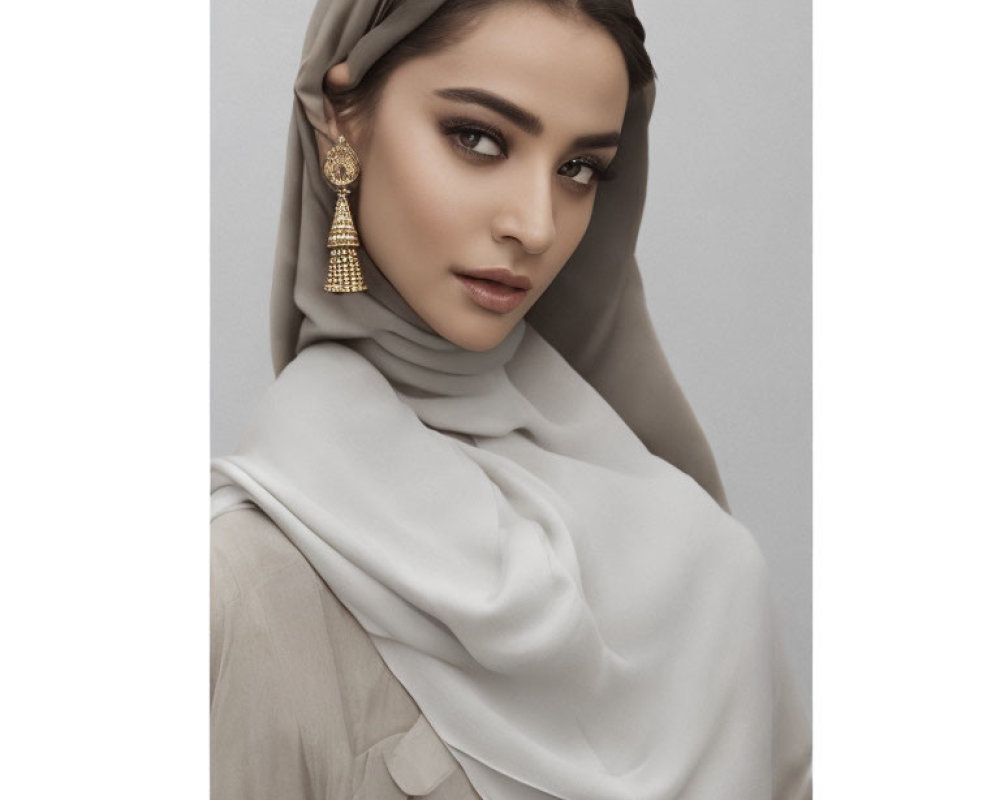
[724, 248]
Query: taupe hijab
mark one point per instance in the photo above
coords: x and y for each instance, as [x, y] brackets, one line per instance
[518, 529]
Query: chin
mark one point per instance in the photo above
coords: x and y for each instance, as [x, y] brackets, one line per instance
[477, 335]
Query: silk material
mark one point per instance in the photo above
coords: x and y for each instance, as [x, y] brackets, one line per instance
[576, 617]
[519, 530]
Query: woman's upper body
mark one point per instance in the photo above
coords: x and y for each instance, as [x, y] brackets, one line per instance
[511, 517]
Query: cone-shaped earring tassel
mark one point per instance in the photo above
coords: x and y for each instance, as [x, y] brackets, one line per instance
[341, 170]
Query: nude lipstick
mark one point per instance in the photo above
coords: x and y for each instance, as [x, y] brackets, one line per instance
[495, 288]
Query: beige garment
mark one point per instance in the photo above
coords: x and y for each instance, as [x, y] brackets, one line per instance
[303, 707]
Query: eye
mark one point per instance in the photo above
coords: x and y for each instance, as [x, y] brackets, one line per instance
[474, 139]
[579, 171]
[587, 171]
[478, 142]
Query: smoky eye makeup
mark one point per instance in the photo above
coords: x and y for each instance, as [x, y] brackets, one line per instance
[468, 136]
[600, 170]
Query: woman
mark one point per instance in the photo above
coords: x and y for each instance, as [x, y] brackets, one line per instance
[460, 551]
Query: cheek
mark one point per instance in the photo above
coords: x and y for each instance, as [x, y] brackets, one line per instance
[578, 222]
[413, 208]
[572, 222]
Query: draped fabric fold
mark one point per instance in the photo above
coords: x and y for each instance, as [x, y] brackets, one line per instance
[531, 535]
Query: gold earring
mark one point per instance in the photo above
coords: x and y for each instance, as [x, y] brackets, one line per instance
[341, 169]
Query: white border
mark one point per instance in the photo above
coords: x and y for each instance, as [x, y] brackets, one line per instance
[105, 331]
[907, 400]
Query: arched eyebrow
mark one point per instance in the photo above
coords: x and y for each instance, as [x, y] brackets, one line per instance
[525, 120]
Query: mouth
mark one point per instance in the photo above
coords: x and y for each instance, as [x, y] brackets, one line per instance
[501, 275]
[495, 289]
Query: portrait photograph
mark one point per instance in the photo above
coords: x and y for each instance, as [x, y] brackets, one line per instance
[539, 310]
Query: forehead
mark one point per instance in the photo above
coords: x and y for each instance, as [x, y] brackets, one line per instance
[563, 67]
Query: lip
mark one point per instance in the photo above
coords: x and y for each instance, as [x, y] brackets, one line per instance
[495, 289]
[499, 275]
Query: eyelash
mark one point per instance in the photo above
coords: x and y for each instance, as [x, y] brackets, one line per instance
[453, 128]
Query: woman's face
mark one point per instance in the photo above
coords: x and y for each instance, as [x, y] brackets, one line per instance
[480, 164]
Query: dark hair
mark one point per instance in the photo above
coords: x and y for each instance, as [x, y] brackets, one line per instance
[449, 22]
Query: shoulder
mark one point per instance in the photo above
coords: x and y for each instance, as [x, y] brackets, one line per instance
[277, 637]
[248, 551]
[301, 700]
[271, 609]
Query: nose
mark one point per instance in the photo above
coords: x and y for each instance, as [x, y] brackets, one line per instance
[526, 214]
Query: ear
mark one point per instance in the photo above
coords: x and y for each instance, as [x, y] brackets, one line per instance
[337, 77]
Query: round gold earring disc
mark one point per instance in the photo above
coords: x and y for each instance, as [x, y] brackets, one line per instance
[342, 167]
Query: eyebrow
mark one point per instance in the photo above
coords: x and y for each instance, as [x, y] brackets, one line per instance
[525, 120]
